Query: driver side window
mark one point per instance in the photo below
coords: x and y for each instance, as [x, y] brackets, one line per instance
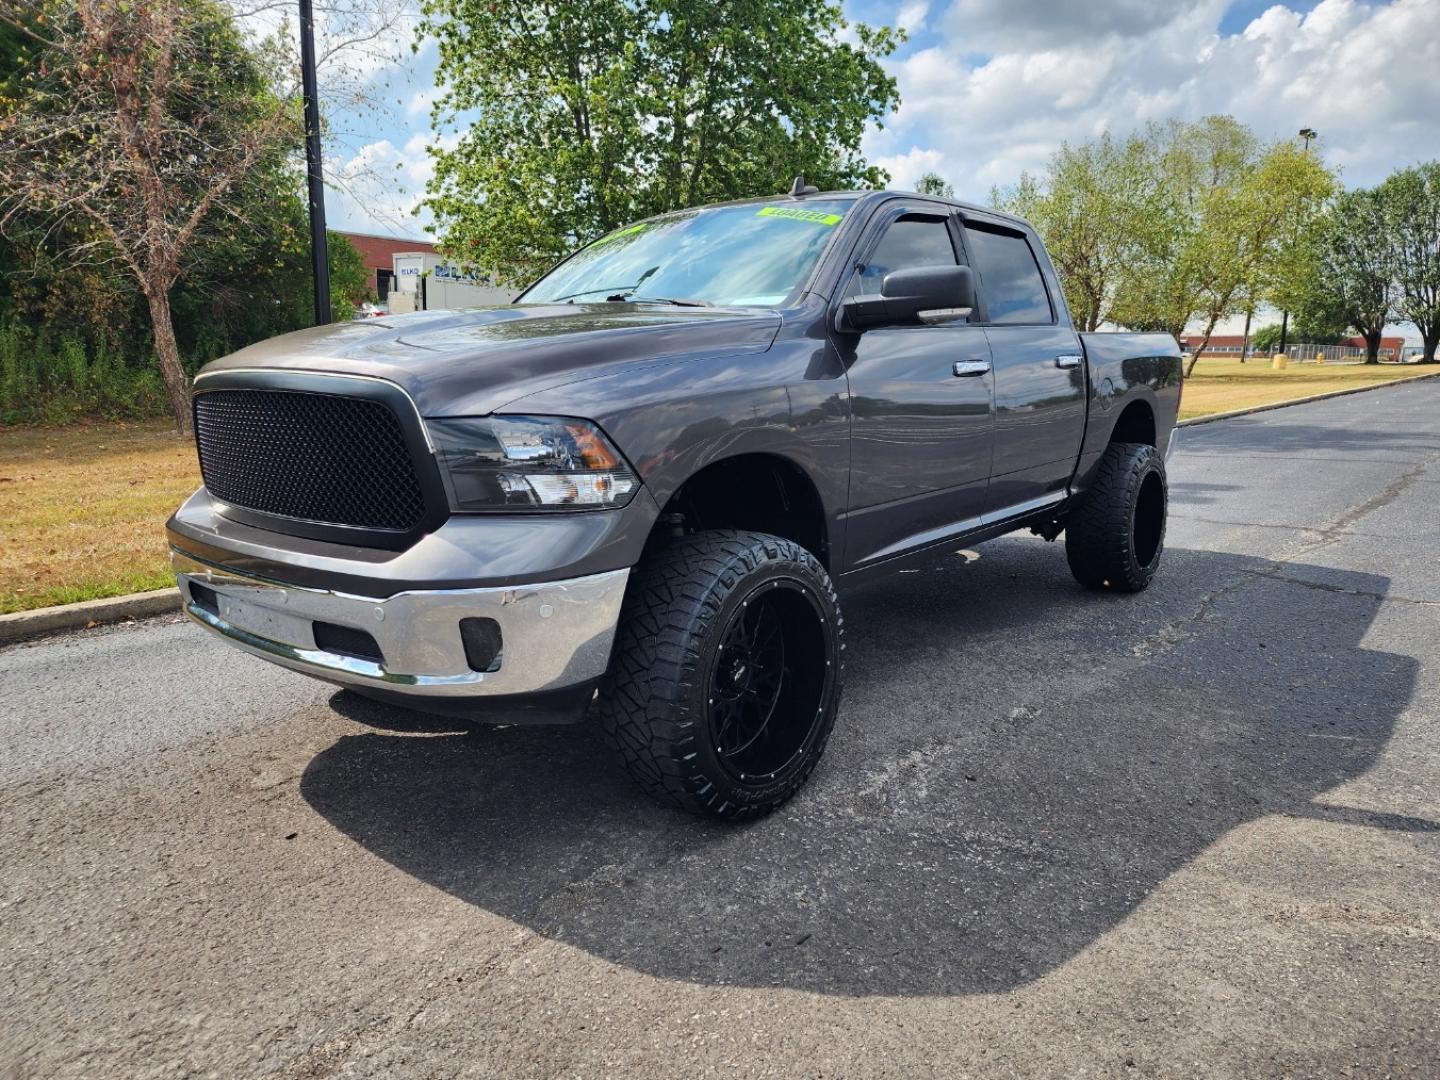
[909, 241]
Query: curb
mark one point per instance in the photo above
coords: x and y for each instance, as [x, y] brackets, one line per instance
[1212, 417]
[20, 625]
[28, 624]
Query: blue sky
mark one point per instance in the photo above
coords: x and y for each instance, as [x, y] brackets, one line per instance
[990, 88]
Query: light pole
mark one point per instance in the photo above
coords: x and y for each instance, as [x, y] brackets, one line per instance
[1306, 133]
[319, 248]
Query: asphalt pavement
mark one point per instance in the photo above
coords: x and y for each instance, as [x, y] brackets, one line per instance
[1194, 832]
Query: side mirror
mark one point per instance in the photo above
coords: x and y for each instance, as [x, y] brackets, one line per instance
[920, 296]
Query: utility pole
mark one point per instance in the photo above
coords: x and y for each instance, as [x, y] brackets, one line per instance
[1306, 133]
[319, 247]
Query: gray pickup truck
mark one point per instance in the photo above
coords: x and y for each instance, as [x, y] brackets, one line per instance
[635, 493]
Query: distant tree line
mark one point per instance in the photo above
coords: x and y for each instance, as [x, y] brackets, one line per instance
[1194, 223]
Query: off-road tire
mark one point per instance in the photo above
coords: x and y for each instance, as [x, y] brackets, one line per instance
[657, 706]
[1115, 536]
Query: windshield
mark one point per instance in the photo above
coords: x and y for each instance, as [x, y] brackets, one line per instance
[755, 254]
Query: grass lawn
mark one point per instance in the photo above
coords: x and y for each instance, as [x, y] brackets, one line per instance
[1222, 385]
[83, 509]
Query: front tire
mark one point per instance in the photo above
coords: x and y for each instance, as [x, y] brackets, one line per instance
[1115, 536]
[726, 673]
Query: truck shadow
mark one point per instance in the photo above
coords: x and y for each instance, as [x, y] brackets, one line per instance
[1017, 766]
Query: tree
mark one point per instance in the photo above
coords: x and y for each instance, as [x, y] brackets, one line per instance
[1171, 278]
[1354, 279]
[1411, 200]
[932, 183]
[588, 114]
[1232, 225]
[1091, 211]
[135, 127]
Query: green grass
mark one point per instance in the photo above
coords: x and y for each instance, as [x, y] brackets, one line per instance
[83, 509]
[1224, 385]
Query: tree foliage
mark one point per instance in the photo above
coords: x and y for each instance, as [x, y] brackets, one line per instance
[932, 183]
[1411, 201]
[587, 114]
[1092, 209]
[1353, 281]
[131, 131]
[1185, 222]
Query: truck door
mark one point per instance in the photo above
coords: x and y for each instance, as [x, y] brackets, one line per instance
[920, 404]
[1039, 371]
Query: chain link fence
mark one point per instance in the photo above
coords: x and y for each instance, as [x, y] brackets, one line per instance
[1303, 352]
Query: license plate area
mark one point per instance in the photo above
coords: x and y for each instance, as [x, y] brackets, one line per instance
[265, 621]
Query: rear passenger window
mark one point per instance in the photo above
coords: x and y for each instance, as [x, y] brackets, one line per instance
[912, 240]
[1010, 279]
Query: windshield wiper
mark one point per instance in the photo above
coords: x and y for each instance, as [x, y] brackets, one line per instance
[677, 301]
[587, 292]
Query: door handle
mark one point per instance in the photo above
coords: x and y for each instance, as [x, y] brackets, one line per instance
[968, 368]
[1069, 360]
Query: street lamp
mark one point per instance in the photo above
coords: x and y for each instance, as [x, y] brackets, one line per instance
[1306, 133]
[319, 247]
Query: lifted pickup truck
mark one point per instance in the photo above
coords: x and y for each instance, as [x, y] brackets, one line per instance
[635, 491]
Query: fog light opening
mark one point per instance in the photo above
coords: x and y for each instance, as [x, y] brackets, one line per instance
[483, 644]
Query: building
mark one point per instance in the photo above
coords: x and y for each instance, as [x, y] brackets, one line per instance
[425, 281]
[378, 253]
[1391, 348]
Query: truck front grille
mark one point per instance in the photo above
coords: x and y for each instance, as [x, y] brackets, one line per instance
[308, 456]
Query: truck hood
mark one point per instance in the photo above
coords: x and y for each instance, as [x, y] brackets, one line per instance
[469, 363]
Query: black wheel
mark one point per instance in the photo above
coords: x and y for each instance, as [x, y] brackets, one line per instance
[1114, 537]
[726, 673]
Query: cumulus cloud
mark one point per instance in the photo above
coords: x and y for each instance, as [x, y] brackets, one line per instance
[1004, 82]
[1012, 24]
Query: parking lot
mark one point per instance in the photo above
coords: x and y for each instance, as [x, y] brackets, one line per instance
[1192, 832]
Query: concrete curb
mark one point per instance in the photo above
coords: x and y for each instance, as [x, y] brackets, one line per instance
[52, 620]
[28, 624]
[1306, 400]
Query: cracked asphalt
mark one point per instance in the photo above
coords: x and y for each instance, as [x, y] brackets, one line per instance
[1190, 833]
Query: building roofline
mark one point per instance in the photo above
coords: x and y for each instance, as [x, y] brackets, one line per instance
[381, 236]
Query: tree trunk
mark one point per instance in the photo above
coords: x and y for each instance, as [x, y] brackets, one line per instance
[1204, 344]
[1431, 341]
[177, 383]
[1245, 339]
[1372, 347]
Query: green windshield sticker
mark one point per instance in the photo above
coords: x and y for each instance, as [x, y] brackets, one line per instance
[619, 234]
[801, 215]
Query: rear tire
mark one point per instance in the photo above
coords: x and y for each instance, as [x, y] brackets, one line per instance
[1115, 536]
[726, 673]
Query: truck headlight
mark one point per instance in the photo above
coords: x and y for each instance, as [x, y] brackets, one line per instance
[530, 463]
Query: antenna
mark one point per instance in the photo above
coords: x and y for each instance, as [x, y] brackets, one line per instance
[799, 187]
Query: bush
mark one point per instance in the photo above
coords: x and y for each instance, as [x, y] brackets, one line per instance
[44, 382]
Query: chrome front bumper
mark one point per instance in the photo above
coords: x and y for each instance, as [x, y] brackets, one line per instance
[556, 635]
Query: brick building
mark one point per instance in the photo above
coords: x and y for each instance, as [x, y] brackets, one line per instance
[1391, 348]
[378, 254]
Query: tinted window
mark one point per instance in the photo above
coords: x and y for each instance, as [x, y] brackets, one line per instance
[910, 241]
[1010, 280]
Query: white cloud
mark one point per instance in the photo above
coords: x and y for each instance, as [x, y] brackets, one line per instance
[912, 16]
[420, 103]
[379, 187]
[1009, 80]
[907, 168]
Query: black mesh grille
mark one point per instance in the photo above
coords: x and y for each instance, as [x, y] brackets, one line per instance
[317, 457]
